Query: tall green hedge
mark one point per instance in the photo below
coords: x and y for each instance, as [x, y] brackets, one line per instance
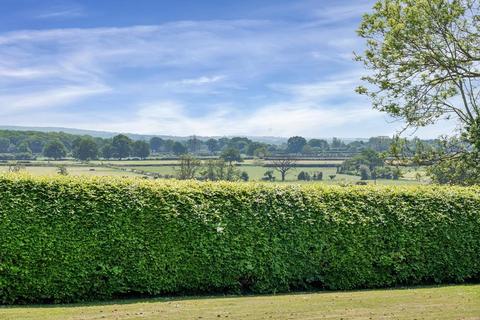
[72, 239]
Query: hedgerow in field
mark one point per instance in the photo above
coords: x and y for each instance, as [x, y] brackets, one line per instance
[68, 239]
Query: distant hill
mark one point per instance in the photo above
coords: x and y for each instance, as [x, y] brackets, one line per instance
[135, 136]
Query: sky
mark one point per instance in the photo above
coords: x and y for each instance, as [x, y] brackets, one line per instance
[185, 67]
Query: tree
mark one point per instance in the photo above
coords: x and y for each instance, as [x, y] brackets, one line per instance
[62, 170]
[365, 173]
[4, 144]
[231, 155]
[212, 145]
[268, 176]
[296, 144]
[178, 148]
[244, 176]
[141, 149]
[156, 144]
[188, 167]
[85, 148]
[423, 65]
[337, 143]
[107, 150]
[122, 146]
[36, 144]
[283, 165]
[318, 143]
[194, 144]
[55, 149]
[303, 176]
[24, 148]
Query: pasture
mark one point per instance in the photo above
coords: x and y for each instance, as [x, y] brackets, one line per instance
[436, 303]
[253, 167]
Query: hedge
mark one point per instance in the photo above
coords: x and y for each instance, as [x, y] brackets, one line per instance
[73, 239]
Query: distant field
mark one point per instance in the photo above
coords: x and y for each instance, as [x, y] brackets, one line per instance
[433, 303]
[76, 171]
[254, 168]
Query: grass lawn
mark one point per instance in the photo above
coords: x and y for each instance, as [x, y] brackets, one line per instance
[448, 302]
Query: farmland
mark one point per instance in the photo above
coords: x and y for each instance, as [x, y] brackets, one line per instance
[253, 167]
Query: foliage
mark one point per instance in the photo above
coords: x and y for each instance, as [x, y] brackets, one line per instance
[141, 149]
[107, 151]
[365, 173]
[178, 148]
[296, 144]
[16, 167]
[55, 149]
[188, 167]
[304, 176]
[244, 176]
[231, 155]
[156, 144]
[423, 62]
[367, 157]
[268, 176]
[62, 170]
[85, 148]
[283, 165]
[67, 239]
[122, 146]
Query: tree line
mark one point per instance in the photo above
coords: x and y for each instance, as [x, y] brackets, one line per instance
[58, 145]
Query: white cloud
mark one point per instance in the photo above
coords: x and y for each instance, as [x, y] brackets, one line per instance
[47, 99]
[64, 11]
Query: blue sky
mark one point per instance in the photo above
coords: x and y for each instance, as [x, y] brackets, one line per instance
[265, 68]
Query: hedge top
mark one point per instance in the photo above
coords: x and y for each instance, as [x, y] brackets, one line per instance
[195, 186]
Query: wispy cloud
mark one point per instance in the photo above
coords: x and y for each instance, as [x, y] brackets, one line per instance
[64, 11]
[23, 102]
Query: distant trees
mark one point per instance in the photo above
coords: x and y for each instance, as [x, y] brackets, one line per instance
[283, 165]
[107, 150]
[122, 146]
[156, 144]
[318, 143]
[141, 149]
[337, 143]
[178, 148]
[268, 176]
[212, 145]
[55, 149]
[4, 144]
[296, 144]
[194, 144]
[23, 147]
[303, 176]
[188, 167]
[231, 155]
[365, 173]
[85, 148]
[36, 144]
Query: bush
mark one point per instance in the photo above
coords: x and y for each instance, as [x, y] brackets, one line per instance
[65, 239]
[365, 173]
[304, 176]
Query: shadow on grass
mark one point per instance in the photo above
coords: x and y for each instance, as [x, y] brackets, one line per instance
[133, 299]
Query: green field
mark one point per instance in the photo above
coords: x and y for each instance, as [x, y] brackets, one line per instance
[448, 302]
[254, 168]
[76, 171]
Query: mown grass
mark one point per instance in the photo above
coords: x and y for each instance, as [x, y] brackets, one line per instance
[447, 302]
